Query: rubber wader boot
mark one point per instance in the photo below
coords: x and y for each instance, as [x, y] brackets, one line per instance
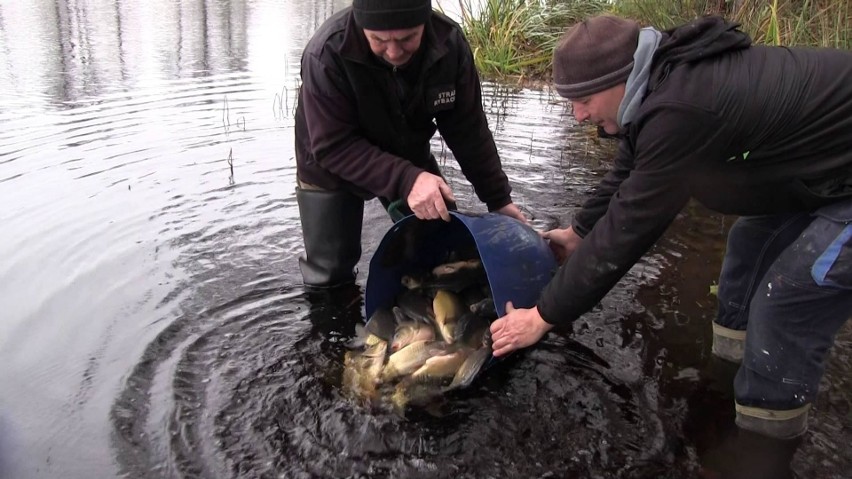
[728, 344]
[331, 229]
[748, 455]
[786, 424]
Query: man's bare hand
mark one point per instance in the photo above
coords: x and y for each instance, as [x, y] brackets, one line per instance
[512, 211]
[563, 242]
[427, 196]
[518, 329]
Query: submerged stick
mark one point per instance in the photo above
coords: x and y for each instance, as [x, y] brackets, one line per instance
[231, 161]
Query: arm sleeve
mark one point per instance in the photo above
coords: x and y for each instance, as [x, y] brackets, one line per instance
[465, 130]
[596, 205]
[643, 205]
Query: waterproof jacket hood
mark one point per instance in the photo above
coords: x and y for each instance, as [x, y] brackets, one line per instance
[694, 42]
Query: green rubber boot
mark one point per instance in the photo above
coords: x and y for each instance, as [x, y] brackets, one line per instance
[331, 229]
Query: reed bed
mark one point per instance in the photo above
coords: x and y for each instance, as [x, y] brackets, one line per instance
[814, 23]
[516, 38]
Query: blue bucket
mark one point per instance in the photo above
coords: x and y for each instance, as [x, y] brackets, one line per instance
[518, 262]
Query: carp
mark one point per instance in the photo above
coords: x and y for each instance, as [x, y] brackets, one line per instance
[447, 308]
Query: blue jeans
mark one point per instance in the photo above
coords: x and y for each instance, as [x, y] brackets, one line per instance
[787, 281]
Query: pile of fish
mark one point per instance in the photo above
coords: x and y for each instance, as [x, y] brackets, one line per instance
[435, 339]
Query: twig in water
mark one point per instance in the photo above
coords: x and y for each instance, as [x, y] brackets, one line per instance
[226, 115]
[231, 161]
[286, 101]
[532, 133]
[278, 104]
[295, 102]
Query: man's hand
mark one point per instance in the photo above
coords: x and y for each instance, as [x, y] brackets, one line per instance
[512, 211]
[562, 242]
[519, 328]
[427, 196]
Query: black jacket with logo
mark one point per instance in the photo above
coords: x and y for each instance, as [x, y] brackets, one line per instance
[365, 126]
[745, 130]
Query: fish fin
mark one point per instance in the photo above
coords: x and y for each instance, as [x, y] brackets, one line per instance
[427, 379]
[399, 315]
[470, 369]
[360, 339]
[382, 324]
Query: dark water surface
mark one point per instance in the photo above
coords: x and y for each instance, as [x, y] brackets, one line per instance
[152, 318]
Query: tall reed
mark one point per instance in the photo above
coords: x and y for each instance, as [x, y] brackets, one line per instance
[517, 37]
[816, 23]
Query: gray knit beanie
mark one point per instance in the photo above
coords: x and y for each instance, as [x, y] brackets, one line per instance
[391, 14]
[594, 55]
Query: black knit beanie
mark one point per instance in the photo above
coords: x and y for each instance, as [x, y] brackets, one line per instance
[391, 14]
[594, 55]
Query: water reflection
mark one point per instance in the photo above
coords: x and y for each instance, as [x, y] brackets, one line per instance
[67, 50]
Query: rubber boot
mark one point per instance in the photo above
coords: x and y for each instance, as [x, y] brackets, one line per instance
[785, 424]
[748, 455]
[331, 230]
[728, 344]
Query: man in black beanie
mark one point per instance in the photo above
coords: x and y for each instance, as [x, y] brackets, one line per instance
[378, 79]
[757, 131]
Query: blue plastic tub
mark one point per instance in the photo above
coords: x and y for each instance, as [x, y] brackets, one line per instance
[517, 261]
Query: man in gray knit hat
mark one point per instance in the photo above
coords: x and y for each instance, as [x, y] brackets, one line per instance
[756, 131]
[378, 79]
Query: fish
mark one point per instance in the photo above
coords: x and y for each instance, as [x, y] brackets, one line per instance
[446, 269]
[380, 327]
[412, 281]
[439, 367]
[374, 360]
[363, 338]
[455, 277]
[362, 370]
[410, 358]
[484, 308]
[409, 331]
[487, 340]
[470, 330]
[469, 369]
[427, 284]
[418, 393]
[447, 308]
[416, 306]
[382, 323]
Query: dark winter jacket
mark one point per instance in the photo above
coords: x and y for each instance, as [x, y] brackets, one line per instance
[745, 130]
[365, 126]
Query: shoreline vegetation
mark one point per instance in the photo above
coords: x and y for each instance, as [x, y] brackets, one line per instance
[514, 39]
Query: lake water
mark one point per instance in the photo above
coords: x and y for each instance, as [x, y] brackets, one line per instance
[152, 317]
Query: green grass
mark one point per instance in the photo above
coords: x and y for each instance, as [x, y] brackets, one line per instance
[815, 23]
[515, 38]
